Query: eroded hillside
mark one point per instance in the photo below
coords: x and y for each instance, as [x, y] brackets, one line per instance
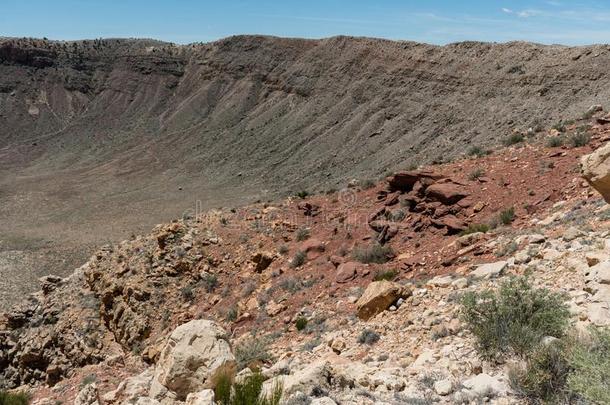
[349, 297]
[99, 139]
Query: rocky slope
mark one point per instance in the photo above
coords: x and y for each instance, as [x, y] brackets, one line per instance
[303, 275]
[102, 138]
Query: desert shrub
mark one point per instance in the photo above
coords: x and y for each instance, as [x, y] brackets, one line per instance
[388, 275]
[301, 323]
[507, 249]
[247, 392]
[476, 151]
[187, 293]
[560, 126]
[283, 249]
[514, 139]
[476, 174]
[513, 319]
[367, 184]
[591, 364]
[298, 260]
[474, 228]
[302, 234]
[209, 281]
[231, 314]
[14, 399]
[368, 337]
[544, 375]
[374, 253]
[554, 142]
[507, 216]
[290, 284]
[579, 139]
[252, 351]
[302, 194]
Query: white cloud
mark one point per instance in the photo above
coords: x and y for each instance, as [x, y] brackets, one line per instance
[523, 13]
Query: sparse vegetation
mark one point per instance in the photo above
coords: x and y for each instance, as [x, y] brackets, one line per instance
[507, 249]
[367, 184]
[514, 139]
[301, 323]
[209, 281]
[559, 126]
[368, 337]
[474, 228]
[231, 314]
[554, 141]
[187, 293]
[544, 375]
[476, 174]
[302, 194]
[252, 352]
[298, 259]
[388, 275]
[283, 249]
[302, 234]
[248, 392]
[515, 318]
[507, 216]
[579, 139]
[88, 379]
[476, 151]
[374, 253]
[590, 362]
[20, 398]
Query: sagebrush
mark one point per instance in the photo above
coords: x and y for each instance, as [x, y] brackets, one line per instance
[515, 318]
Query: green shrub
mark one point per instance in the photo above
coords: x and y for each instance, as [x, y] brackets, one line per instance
[560, 126]
[247, 392]
[188, 293]
[476, 151]
[301, 323]
[302, 194]
[14, 399]
[374, 253]
[476, 174]
[513, 319]
[507, 249]
[367, 184]
[298, 260]
[368, 337]
[209, 281]
[544, 375]
[231, 314]
[507, 216]
[302, 234]
[474, 228]
[514, 139]
[252, 351]
[388, 275]
[554, 142]
[591, 364]
[579, 139]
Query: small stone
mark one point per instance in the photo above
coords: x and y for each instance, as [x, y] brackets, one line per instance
[443, 387]
[489, 270]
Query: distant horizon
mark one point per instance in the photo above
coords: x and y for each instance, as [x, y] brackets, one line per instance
[307, 39]
[440, 22]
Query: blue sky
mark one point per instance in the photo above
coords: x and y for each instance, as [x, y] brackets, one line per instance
[184, 21]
